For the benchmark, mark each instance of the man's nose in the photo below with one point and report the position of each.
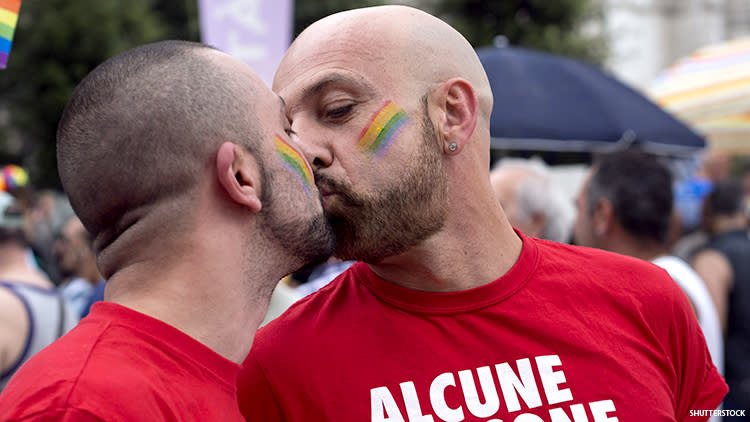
(316, 148)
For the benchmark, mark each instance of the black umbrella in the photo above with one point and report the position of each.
(548, 102)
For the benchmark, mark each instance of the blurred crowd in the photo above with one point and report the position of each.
(694, 226)
(48, 273)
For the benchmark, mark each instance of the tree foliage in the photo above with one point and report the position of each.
(542, 24)
(57, 42)
(553, 26)
(179, 18)
(307, 12)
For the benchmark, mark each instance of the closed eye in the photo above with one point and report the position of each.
(340, 112)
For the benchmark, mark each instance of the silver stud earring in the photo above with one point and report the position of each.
(453, 146)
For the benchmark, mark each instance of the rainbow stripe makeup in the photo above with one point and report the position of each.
(295, 163)
(383, 129)
(8, 18)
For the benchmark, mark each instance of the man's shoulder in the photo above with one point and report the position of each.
(604, 271)
(57, 374)
(87, 344)
(596, 260)
(310, 317)
(13, 316)
(81, 372)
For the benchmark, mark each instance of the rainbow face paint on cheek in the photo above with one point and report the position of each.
(383, 129)
(295, 163)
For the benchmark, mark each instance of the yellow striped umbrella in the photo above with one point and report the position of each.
(710, 91)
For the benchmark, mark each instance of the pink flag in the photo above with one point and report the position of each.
(257, 32)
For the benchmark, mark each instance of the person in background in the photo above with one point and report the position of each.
(450, 314)
(690, 193)
(181, 164)
(530, 199)
(39, 209)
(15, 181)
(76, 259)
(626, 206)
(32, 313)
(717, 166)
(724, 263)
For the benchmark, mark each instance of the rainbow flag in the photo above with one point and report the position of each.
(8, 18)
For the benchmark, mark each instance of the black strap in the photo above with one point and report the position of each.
(61, 323)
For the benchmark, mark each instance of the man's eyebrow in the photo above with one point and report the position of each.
(331, 79)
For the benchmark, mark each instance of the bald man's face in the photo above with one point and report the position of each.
(372, 147)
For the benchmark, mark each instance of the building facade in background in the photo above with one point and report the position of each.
(646, 36)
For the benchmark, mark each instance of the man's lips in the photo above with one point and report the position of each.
(325, 191)
(327, 195)
(329, 189)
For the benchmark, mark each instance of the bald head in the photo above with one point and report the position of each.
(141, 129)
(413, 49)
(532, 202)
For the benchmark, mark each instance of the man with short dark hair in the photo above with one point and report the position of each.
(636, 190)
(724, 262)
(181, 164)
(626, 206)
(451, 315)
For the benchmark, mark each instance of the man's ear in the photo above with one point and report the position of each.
(459, 107)
(234, 169)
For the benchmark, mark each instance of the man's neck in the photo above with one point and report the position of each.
(647, 250)
(200, 298)
(461, 257)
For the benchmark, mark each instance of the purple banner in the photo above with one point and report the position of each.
(257, 32)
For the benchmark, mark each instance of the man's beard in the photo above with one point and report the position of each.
(371, 226)
(309, 239)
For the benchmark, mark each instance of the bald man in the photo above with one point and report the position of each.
(530, 199)
(451, 315)
(180, 163)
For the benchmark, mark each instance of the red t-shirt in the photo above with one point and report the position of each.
(568, 334)
(121, 365)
